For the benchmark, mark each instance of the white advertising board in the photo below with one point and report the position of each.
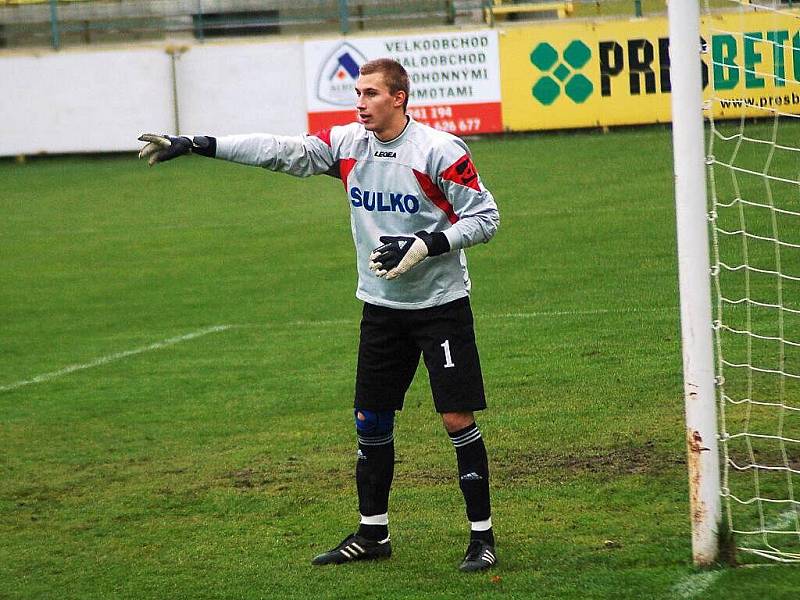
(454, 76)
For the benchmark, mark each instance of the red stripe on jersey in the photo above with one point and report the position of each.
(435, 194)
(324, 135)
(463, 173)
(345, 166)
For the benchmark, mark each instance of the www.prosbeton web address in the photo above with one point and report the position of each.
(761, 101)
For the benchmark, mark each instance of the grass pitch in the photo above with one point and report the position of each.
(170, 466)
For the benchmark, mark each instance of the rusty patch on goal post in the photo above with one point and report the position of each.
(694, 445)
(726, 547)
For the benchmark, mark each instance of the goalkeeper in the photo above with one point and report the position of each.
(416, 202)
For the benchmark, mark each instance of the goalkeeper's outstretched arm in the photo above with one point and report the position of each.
(297, 155)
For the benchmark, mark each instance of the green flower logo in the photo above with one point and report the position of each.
(561, 72)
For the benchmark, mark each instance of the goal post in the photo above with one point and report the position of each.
(694, 279)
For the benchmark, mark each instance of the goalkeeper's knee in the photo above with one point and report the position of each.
(374, 427)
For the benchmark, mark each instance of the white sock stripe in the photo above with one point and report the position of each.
(476, 436)
(385, 436)
(481, 525)
(386, 443)
(375, 519)
(466, 434)
(376, 441)
(466, 443)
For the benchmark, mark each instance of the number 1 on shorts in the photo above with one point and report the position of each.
(448, 359)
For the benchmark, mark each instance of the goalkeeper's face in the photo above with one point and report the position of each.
(378, 109)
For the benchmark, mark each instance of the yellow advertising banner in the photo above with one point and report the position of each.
(604, 73)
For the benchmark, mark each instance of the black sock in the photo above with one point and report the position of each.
(373, 532)
(473, 472)
(486, 535)
(374, 472)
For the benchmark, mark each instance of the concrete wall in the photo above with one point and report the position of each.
(101, 100)
(229, 89)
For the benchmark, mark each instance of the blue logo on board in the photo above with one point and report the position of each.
(337, 75)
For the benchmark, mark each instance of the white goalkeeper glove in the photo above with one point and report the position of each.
(399, 254)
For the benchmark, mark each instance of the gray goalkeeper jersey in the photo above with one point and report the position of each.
(424, 179)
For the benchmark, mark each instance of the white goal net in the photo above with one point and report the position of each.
(752, 109)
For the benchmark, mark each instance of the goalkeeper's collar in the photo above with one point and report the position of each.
(398, 137)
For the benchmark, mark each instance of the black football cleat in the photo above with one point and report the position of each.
(480, 556)
(354, 547)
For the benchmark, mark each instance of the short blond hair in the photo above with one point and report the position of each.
(394, 74)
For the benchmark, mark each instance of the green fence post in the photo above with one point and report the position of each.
(637, 7)
(344, 17)
(200, 30)
(55, 36)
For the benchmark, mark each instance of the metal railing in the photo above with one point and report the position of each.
(60, 23)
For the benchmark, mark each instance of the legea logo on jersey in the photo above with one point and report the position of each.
(576, 86)
(383, 201)
(337, 75)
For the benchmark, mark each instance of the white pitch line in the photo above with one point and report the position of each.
(781, 522)
(112, 357)
(308, 323)
(563, 212)
(576, 313)
(693, 585)
(518, 315)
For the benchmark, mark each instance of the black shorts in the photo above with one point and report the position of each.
(388, 354)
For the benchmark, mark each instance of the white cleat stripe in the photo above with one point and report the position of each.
(346, 552)
(359, 548)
